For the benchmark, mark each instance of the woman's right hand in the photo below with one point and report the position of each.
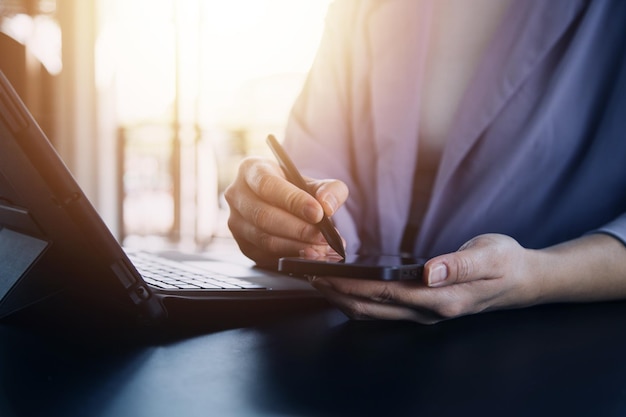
(270, 217)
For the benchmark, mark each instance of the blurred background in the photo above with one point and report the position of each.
(153, 103)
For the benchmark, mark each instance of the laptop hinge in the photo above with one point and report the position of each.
(123, 274)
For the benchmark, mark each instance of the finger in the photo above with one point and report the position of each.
(267, 181)
(314, 252)
(269, 257)
(429, 304)
(366, 309)
(475, 260)
(385, 292)
(263, 218)
(331, 194)
(259, 244)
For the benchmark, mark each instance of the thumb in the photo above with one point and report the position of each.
(331, 194)
(470, 263)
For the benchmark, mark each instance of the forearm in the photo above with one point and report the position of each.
(591, 268)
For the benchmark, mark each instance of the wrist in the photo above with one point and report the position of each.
(589, 268)
(535, 268)
(542, 275)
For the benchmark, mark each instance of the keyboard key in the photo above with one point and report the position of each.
(166, 274)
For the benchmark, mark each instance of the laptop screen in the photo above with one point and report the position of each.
(51, 237)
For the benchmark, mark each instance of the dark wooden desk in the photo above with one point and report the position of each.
(547, 361)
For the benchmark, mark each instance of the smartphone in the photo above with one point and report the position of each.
(375, 267)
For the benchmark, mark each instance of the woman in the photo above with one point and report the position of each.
(485, 135)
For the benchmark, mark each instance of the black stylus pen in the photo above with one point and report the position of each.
(293, 176)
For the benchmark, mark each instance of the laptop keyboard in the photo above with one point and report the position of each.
(171, 275)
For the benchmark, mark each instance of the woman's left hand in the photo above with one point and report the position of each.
(489, 272)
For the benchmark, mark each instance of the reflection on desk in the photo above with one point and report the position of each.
(544, 361)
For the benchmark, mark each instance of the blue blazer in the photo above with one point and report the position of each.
(538, 146)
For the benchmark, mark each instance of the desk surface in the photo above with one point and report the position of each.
(546, 361)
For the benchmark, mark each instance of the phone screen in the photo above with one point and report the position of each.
(377, 267)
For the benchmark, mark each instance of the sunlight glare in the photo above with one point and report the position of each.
(223, 47)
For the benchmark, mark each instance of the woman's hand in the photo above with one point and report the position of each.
(489, 272)
(270, 217)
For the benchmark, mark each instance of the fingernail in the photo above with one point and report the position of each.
(438, 275)
(331, 204)
(318, 282)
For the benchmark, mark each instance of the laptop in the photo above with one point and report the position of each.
(58, 257)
